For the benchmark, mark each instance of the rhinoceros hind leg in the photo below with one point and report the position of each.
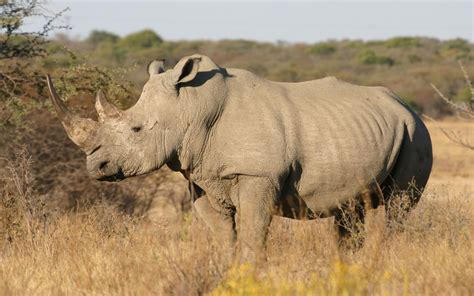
(349, 224)
(404, 186)
(398, 205)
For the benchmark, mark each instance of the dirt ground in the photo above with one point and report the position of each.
(453, 164)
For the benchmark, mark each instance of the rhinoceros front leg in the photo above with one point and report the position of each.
(254, 198)
(221, 225)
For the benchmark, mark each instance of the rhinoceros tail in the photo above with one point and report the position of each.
(407, 180)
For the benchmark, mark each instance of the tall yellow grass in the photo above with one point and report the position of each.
(99, 251)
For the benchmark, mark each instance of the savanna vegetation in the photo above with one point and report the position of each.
(385, 62)
(62, 233)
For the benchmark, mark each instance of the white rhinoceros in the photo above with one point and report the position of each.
(254, 148)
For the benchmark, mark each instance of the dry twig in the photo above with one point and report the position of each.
(463, 110)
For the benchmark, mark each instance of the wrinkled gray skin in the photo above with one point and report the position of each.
(254, 148)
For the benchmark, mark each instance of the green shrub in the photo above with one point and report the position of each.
(54, 47)
(323, 49)
(409, 102)
(285, 73)
(97, 36)
(374, 42)
(21, 78)
(404, 42)
(369, 57)
(457, 44)
(413, 58)
(355, 44)
(140, 40)
(464, 95)
(111, 52)
(457, 48)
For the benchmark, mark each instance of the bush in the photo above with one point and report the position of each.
(323, 49)
(355, 44)
(141, 39)
(464, 95)
(96, 37)
(458, 48)
(369, 57)
(22, 211)
(111, 52)
(413, 58)
(404, 42)
(457, 44)
(22, 82)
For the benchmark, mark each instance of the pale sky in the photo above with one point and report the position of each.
(296, 21)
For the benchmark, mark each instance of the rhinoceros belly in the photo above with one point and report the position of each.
(347, 141)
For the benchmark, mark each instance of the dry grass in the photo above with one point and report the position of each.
(451, 159)
(98, 250)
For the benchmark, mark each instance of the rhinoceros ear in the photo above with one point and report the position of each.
(186, 69)
(156, 67)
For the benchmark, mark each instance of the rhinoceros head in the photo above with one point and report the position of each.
(143, 138)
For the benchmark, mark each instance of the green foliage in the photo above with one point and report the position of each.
(355, 44)
(285, 73)
(323, 49)
(424, 60)
(15, 42)
(54, 47)
(85, 79)
(403, 42)
(409, 102)
(140, 40)
(464, 95)
(237, 46)
(375, 43)
(413, 58)
(355, 61)
(459, 48)
(98, 36)
(14, 110)
(369, 57)
(111, 52)
(21, 80)
(27, 56)
(457, 44)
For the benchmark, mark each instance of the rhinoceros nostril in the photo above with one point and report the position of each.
(103, 165)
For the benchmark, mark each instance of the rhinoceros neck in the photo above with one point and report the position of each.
(204, 113)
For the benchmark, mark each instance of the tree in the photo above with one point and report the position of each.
(98, 36)
(369, 57)
(16, 43)
(142, 39)
(18, 49)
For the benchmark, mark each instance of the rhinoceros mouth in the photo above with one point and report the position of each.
(119, 176)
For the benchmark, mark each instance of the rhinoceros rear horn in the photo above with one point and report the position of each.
(80, 130)
(104, 108)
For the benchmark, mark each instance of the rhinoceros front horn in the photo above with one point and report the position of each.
(105, 108)
(80, 130)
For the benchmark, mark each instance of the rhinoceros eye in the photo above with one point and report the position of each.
(136, 129)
